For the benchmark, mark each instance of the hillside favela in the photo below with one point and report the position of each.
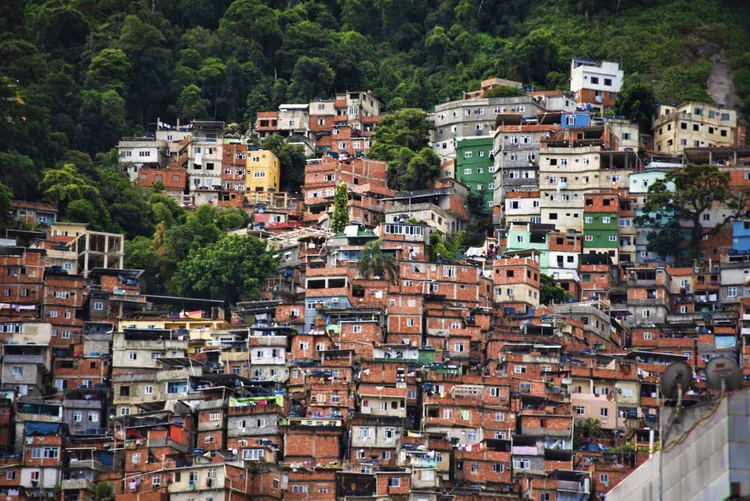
(351, 250)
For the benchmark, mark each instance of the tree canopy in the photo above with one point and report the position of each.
(231, 269)
(685, 195)
(340, 215)
(374, 262)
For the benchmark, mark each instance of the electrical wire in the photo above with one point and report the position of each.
(684, 435)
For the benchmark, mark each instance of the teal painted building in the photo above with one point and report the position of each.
(522, 237)
(474, 166)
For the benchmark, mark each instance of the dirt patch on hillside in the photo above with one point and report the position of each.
(720, 85)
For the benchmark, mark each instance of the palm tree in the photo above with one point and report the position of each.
(374, 262)
(589, 428)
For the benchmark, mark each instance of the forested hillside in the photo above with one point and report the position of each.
(79, 74)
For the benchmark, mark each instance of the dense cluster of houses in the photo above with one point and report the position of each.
(445, 380)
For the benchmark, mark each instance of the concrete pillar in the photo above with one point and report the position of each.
(86, 257)
(106, 250)
(122, 252)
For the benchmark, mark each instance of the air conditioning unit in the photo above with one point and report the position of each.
(335, 300)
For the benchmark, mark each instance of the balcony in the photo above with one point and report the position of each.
(77, 484)
(567, 485)
(87, 464)
(23, 359)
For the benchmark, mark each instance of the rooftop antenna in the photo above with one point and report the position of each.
(723, 374)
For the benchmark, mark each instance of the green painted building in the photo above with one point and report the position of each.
(601, 233)
(474, 166)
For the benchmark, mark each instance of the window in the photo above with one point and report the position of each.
(447, 413)
(209, 439)
(521, 464)
(494, 391)
(132, 355)
(394, 482)
(125, 411)
(588, 238)
(299, 488)
(468, 154)
(136, 458)
(458, 347)
(613, 238)
(544, 496)
(93, 417)
(36, 453)
(474, 468)
(647, 336)
(35, 476)
(588, 219)
(731, 291)
(500, 417)
(98, 305)
(595, 80)
(410, 322)
(11, 475)
(77, 417)
(449, 271)
(498, 467)
(467, 172)
(646, 313)
(149, 390)
(519, 369)
(603, 412)
(604, 478)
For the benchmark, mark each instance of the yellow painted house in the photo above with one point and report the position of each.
(263, 171)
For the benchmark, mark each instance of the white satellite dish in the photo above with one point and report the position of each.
(723, 374)
(676, 380)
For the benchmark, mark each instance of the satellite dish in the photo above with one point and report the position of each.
(723, 374)
(677, 376)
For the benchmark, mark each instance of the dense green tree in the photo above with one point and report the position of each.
(77, 200)
(374, 262)
(697, 190)
(311, 77)
(102, 121)
(502, 91)
(292, 161)
(6, 196)
(407, 128)
(104, 491)
(109, 70)
(231, 270)
(190, 104)
(148, 51)
(19, 173)
(447, 249)
(667, 240)
(586, 431)
(550, 292)
(340, 215)
(637, 102)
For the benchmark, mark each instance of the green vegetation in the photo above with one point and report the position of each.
(373, 262)
(401, 139)
(585, 431)
(231, 269)
(76, 75)
(550, 291)
(698, 188)
(447, 249)
(340, 216)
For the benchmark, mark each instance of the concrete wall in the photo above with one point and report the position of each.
(714, 454)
